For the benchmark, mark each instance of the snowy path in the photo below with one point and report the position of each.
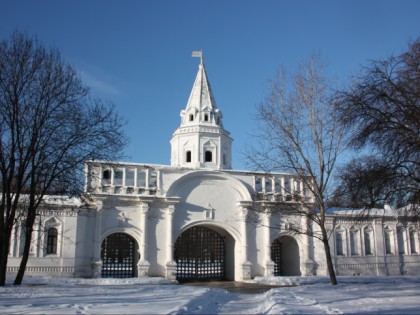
(153, 296)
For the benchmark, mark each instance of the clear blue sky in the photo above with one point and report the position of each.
(138, 53)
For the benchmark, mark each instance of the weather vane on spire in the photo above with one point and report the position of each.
(198, 53)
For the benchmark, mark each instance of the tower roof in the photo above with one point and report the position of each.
(201, 94)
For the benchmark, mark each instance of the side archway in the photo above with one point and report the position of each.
(286, 257)
(118, 256)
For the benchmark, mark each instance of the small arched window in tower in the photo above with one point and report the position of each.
(206, 117)
(191, 117)
(208, 156)
(188, 157)
(217, 120)
(52, 241)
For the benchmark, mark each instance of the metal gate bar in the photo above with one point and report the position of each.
(200, 255)
(118, 256)
(276, 257)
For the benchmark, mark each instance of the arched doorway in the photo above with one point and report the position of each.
(118, 255)
(285, 255)
(200, 255)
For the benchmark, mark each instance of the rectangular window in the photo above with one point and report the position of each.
(277, 185)
(52, 241)
(118, 178)
(106, 177)
(368, 245)
(413, 242)
(141, 179)
(208, 156)
(258, 185)
(388, 245)
(354, 244)
(268, 185)
(287, 186)
(129, 178)
(339, 243)
(153, 180)
(401, 243)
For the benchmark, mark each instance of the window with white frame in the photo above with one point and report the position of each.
(52, 240)
(153, 180)
(208, 156)
(268, 185)
(287, 186)
(339, 242)
(368, 238)
(354, 241)
(118, 177)
(141, 179)
(277, 184)
(400, 239)
(413, 242)
(106, 177)
(52, 236)
(388, 234)
(258, 184)
(129, 178)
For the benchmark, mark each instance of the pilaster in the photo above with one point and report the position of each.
(96, 261)
(143, 265)
(170, 264)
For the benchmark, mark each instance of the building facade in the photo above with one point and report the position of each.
(198, 219)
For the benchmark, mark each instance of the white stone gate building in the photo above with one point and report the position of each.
(188, 221)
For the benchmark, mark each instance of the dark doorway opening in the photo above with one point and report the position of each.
(285, 255)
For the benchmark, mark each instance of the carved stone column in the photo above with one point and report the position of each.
(171, 264)
(96, 261)
(143, 265)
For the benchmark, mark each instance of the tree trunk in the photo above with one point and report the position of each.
(4, 245)
(330, 266)
(26, 250)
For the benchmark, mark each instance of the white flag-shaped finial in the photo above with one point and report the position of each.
(198, 53)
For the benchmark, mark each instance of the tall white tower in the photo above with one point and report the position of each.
(201, 141)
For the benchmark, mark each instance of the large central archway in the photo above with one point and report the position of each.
(118, 255)
(200, 255)
(285, 255)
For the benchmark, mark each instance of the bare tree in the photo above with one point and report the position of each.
(48, 127)
(364, 182)
(299, 134)
(381, 109)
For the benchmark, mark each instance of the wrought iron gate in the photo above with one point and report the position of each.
(118, 256)
(276, 257)
(200, 255)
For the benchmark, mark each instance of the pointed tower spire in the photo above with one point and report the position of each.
(201, 141)
(201, 97)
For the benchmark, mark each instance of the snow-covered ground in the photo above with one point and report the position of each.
(307, 295)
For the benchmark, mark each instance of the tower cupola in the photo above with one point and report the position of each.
(201, 141)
